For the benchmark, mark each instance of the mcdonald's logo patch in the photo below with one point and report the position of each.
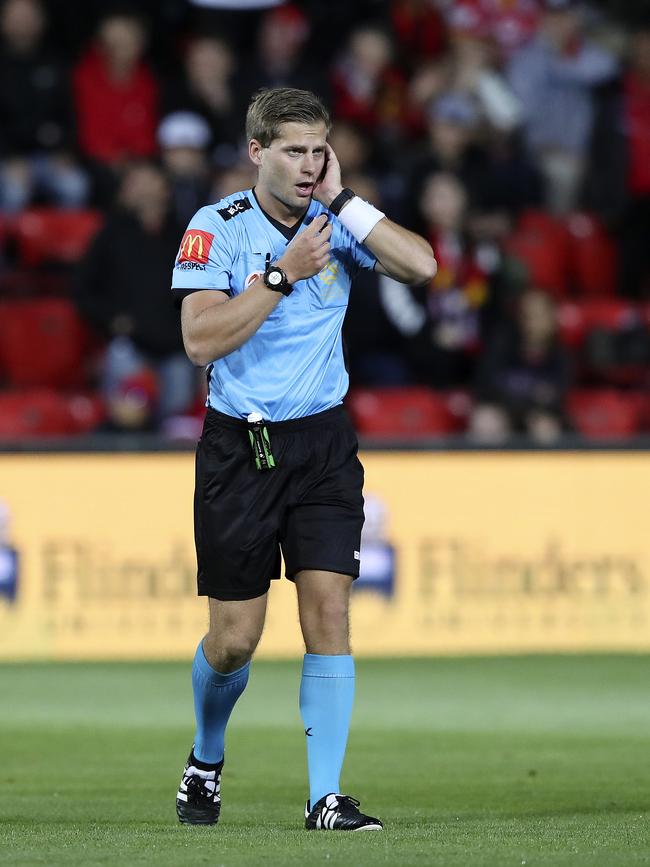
(195, 246)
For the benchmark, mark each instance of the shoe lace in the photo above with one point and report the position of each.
(197, 789)
(348, 801)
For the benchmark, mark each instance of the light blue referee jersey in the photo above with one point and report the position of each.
(293, 365)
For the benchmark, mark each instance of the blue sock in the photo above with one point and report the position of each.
(326, 697)
(215, 695)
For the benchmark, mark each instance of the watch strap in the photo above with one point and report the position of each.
(337, 203)
(284, 287)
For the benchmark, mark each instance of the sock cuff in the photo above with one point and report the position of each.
(323, 665)
(201, 765)
(204, 668)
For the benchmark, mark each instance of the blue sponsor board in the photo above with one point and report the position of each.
(377, 571)
(8, 573)
(378, 557)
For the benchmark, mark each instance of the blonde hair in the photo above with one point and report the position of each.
(269, 109)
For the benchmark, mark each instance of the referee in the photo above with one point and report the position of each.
(264, 276)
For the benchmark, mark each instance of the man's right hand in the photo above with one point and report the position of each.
(309, 251)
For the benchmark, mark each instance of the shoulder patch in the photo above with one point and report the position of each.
(195, 246)
(234, 208)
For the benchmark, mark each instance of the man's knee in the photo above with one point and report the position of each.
(229, 652)
(330, 613)
(235, 630)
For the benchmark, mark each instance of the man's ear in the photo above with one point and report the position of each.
(255, 150)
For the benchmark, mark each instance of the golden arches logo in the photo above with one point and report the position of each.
(190, 242)
(195, 246)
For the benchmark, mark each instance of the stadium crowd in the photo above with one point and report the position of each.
(513, 134)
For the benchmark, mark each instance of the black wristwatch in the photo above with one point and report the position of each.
(276, 279)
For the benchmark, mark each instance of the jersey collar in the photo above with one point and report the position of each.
(307, 217)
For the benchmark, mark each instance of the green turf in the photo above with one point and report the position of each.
(536, 761)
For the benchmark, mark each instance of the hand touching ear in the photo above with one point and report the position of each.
(328, 185)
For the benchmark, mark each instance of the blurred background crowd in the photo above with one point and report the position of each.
(513, 134)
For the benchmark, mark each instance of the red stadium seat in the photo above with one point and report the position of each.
(643, 402)
(54, 235)
(612, 338)
(577, 318)
(42, 342)
(605, 413)
(34, 413)
(406, 412)
(592, 255)
(612, 314)
(541, 243)
(43, 412)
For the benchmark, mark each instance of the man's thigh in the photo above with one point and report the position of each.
(323, 538)
(235, 526)
(312, 504)
(322, 530)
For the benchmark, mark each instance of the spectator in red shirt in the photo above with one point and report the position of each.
(116, 94)
(370, 90)
(420, 30)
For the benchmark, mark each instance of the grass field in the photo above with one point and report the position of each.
(503, 761)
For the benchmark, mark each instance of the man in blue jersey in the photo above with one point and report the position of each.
(264, 276)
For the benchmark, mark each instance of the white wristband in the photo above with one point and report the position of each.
(360, 218)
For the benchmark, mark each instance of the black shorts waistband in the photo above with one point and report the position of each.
(219, 419)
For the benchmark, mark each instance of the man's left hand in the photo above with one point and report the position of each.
(329, 185)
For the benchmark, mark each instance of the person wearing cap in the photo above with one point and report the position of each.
(263, 278)
(452, 121)
(184, 139)
(554, 77)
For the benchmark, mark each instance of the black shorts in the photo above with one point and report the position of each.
(310, 506)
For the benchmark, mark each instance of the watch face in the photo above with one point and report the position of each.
(274, 278)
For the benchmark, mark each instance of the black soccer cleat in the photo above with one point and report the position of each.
(198, 800)
(339, 813)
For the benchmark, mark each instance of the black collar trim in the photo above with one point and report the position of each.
(289, 232)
